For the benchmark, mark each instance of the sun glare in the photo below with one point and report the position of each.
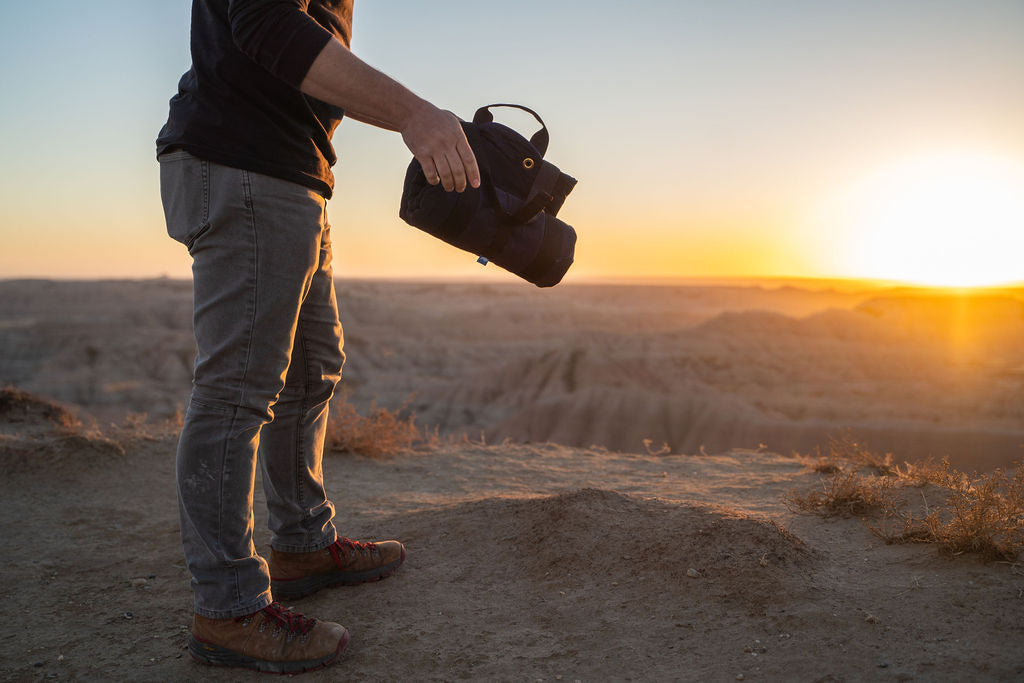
(953, 220)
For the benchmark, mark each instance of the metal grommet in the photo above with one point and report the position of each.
(528, 163)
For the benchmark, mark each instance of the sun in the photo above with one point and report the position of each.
(953, 220)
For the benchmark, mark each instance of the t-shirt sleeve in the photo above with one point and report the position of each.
(278, 35)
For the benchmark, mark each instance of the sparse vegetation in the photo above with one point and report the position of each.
(957, 512)
(844, 450)
(845, 493)
(381, 433)
(665, 449)
(975, 514)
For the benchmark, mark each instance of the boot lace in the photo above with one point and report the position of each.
(358, 547)
(286, 620)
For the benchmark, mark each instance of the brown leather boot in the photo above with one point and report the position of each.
(343, 563)
(273, 639)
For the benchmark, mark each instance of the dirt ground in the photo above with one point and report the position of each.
(525, 562)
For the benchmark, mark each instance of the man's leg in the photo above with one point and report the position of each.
(305, 555)
(292, 446)
(255, 250)
(255, 243)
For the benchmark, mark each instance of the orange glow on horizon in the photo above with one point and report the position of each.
(947, 220)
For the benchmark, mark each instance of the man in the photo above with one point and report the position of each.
(245, 161)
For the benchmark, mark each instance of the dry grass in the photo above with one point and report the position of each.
(651, 450)
(381, 433)
(957, 512)
(136, 427)
(981, 514)
(844, 493)
(843, 451)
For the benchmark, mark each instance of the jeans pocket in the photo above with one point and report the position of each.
(185, 194)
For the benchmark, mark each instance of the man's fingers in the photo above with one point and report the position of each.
(458, 172)
(445, 155)
(429, 170)
(469, 163)
(445, 171)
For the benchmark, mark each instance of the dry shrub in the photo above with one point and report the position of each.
(136, 427)
(975, 513)
(845, 493)
(665, 449)
(383, 432)
(843, 451)
(981, 514)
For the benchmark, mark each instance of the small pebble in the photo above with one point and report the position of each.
(137, 583)
(693, 573)
(37, 664)
(883, 665)
(151, 576)
(60, 658)
(739, 677)
(128, 615)
(871, 619)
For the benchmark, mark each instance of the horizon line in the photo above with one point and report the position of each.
(615, 280)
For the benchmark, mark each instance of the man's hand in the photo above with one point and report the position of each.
(436, 139)
(434, 136)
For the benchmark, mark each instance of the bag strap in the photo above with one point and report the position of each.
(539, 140)
(541, 194)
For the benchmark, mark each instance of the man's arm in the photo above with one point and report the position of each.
(363, 118)
(434, 136)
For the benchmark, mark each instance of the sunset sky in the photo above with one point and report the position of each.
(853, 139)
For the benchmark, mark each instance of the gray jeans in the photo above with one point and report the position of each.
(269, 357)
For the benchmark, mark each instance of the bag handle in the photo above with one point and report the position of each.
(539, 140)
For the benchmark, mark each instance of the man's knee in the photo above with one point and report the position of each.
(248, 404)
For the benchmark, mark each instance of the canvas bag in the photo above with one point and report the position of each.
(511, 219)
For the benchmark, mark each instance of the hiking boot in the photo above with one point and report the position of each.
(273, 639)
(345, 562)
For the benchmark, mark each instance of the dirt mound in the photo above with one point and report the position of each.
(40, 435)
(21, 408)
(592, 541)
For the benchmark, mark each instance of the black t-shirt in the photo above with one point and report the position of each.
(239, 105)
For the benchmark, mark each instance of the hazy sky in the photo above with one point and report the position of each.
(707, 136)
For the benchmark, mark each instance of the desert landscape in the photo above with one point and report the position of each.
(613, 482)
(919, 373)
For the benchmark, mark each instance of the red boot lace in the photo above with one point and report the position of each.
(287, 620)
(354, 546)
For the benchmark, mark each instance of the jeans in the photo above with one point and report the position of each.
(269, 357)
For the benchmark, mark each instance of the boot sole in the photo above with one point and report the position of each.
(214, 655)
(291, 589)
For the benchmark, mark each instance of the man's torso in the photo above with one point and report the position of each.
(239, 104)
